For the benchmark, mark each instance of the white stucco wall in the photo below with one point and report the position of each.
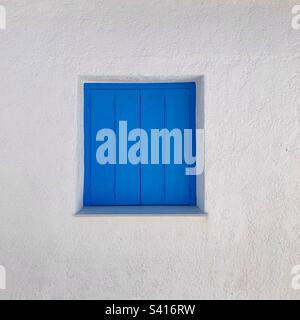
(247, 53)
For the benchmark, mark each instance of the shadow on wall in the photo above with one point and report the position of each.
(200, 116)
(200, 123)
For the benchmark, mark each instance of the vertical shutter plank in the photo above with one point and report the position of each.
(102, 176)
(177, 184)
(152, 175)
(127, 188)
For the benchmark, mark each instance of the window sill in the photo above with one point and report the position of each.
(141, 210)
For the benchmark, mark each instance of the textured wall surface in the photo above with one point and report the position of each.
(247, 53)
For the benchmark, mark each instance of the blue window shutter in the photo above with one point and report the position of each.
(146, 106)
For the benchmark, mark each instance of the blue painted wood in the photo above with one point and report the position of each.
(139, 86)
(152, 175)
(192, 125)
(102, 176)
(145, 105)
(127, 183)
(87, 147)
(177, 116)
